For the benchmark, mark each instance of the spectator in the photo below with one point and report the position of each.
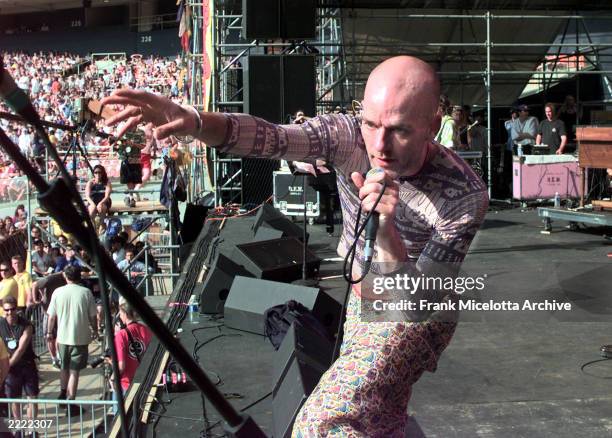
(131, 341)
(16, 333)
(68, 258)
(117, 249)
(97, 192)
(23, 279)
(42, 291)
(73, 308)
(17, 187)
(134, 269)
(41, 260)
(20, 220)
(8, 285)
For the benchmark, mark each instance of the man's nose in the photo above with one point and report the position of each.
(381, 139)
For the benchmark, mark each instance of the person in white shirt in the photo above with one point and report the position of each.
(525, 127)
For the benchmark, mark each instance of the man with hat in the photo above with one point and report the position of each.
(524, 128)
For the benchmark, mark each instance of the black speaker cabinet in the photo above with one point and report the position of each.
(277, 86)
(276, 259)
(272, 224)
(249, 298)
(299, 363)
(273, 19)
(215, 289)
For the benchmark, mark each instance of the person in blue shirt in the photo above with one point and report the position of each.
(134, 269)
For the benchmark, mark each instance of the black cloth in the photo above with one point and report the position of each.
(551, 133)
(11, 334)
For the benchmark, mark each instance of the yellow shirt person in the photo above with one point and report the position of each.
(23, 279)
(8, 285)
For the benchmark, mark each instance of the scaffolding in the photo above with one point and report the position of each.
(343, 66)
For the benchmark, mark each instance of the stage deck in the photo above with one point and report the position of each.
(119, 208)
(503, 375)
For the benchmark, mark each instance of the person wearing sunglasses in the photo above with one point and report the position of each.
(8, 285)
(16, 333)
(98, 193)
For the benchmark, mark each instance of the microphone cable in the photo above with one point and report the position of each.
(349, 259)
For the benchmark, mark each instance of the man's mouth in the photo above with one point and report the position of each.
(383, 161)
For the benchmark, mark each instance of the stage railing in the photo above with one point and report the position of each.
(54, 417)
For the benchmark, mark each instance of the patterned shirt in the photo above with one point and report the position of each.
(440, 208)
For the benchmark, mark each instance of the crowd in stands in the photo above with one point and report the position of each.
(56, 83)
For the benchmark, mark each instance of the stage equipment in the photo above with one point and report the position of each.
(541, 176)
(299, 363)
(215, 289)
(249, 298)
(289, 195)
(276, 259)
(594, 151)
(279, 19)
(272, 224)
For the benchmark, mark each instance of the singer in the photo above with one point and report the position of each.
(430, 211)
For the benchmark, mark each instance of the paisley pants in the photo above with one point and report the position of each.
(365, 392)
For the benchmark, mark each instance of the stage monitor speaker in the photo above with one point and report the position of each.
(249, 298)
(299, 363)
(216, 287)
(272, 224)
(261, 19)
(276, 259)
(193, 222)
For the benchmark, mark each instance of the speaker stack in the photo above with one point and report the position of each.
(257, 269)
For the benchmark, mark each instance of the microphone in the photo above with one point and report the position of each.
(16, 98)
(467, 128)
(371, 227)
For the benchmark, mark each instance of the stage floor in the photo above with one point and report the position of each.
(505, 374)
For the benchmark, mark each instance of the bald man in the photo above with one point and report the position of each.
(431, 207)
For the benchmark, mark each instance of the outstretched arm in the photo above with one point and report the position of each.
(332, 139)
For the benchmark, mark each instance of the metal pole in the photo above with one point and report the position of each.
(29, 225)
(488, 85)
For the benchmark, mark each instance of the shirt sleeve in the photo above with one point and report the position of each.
(332, 137)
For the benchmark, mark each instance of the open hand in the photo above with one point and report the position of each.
(166, 117)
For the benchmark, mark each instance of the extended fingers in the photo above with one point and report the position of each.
(130, 111)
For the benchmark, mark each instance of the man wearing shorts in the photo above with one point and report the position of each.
(42, 290)
(16, 332)
(73, 308)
